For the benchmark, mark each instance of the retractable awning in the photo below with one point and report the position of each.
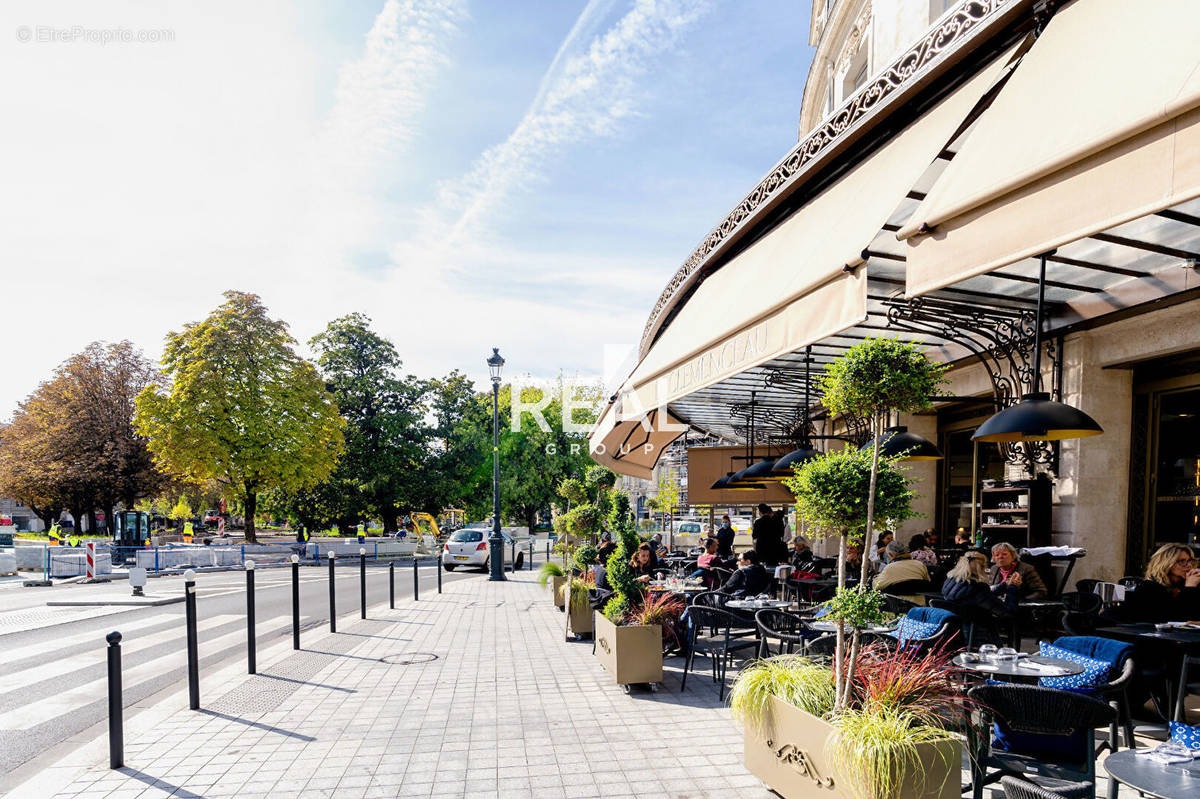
(796, 285)
(1099, 126)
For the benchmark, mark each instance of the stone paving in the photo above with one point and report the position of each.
(471, 693)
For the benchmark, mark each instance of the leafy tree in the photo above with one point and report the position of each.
(459, 466)
(628, 592)
(242, 407)
(382, 472)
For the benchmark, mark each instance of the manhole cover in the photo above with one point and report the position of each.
(409, 658)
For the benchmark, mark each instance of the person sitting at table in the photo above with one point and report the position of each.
(600, 570)
(706, 562)
(962, 539)
(642, 564)
(881, 543)
(725, 536)
(1009, 570)
(931, 538)
(908, 576)
(1171, 591)
(920, 550)
(967, 584)
(802, 555)
(656, 545)
(854, 562)
(751, 579)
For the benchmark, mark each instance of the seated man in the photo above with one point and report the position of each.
(707, 561)
(751, 579)
(908, 575)
(1010, 571)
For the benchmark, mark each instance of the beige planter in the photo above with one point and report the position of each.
(556, 584)
(581, 618)
(791, 759)
(631, 654)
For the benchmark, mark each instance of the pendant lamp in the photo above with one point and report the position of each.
(750, 478)
(897, 441)
(1037, 417)
(782, 468)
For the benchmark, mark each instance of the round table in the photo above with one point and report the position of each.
(757, 604)
(831, 627)
(1177, 781)
(1013, 669)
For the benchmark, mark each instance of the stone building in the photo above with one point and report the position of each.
(971, 179)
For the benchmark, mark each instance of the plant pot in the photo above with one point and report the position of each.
(789, 755)
(581, 618)
(556, 584)
(631, 654)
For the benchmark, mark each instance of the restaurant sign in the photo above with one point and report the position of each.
(734, 353)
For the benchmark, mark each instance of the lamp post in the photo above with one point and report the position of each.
(496, 543)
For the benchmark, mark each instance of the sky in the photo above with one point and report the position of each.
(524, 174)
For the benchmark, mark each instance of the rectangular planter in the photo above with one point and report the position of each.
(789, 756)
(556, 584)
(581, 619)
(631, 654)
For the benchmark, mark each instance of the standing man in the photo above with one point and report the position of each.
(725, 537)
(768, 536)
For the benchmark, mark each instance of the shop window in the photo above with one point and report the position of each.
(1175, 477)
(956, 477)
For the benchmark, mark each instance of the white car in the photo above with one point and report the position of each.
(469, 547)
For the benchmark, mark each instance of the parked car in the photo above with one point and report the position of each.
(469, 547)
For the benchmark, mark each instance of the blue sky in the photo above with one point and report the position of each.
(526, 174)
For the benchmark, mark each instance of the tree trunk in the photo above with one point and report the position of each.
(876, 433)
(391, 517)
(840, 651)
(251, 504)
(530, 519)
(93, 524)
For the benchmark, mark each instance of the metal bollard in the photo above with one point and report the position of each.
(251, 664)
(193, 644)
(362, 580)
(392, 585)
(514, 555)
(416, 594)
(116, 728)
(439, 572)
(547, 550)
(529, 566)
(332, 601)
(295, 601)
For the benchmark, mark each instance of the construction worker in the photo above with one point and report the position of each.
(54, 534)
(187, 532)
(362, 532)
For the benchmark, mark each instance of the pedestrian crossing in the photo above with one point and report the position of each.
(16, 654)
(49, 708)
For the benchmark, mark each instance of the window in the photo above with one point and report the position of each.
(467, 536)
(860, 78)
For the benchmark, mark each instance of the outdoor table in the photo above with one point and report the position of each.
(1140, 772)
(812, 583)
(757, 604)
(1015, 670)
(1029, 607)
(1180, 643)
(831, 627)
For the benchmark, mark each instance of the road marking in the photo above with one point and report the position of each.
(51, 707)
(98, 657)
(20, 653)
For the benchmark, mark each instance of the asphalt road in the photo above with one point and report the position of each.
(53, 679)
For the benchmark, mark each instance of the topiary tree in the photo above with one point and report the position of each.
(628, 592)
(873, 379)
(836, 494)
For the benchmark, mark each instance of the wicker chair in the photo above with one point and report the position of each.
(1017, 788)
(1079, 623)
(977, 624)
(712, 635)
(1082, 602)
(897, 605)
(824, 646)
(788, 628)
(1062, 719)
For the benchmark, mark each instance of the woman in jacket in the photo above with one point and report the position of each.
(967, 584)
(1011, 571)
(1171, 591)
(751, 579)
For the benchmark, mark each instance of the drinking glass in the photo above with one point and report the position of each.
(988, 653)
(1006, 654)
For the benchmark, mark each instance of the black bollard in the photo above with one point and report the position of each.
(416, 595)
(295, 601)
(392, 585)
(439, 572)
(547, 550)
(362, 581)
(529, 566)
(332, 600)
(193, 645)
(116, 729)
(251, 659)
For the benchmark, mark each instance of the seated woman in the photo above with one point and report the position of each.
(802, 555)
(921, 551)
(751, 579)
(902, 576)
(1171, 591)
(642, 564)
(706, 562)
(1009, 570)
(967, 584)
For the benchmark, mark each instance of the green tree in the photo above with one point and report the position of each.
(383, 470)
(459, 466)
(242, 408)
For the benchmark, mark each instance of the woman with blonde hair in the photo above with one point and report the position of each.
(967, 584)
(1171, 591)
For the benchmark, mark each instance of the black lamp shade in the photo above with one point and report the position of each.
(1037, 418)
(495, 364)
(721, 483)
(897, 441)
(783, 467)
(727, 483)
(758, 471)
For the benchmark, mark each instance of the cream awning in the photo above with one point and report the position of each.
(791, 287)
(1098, 125)
(631, 447)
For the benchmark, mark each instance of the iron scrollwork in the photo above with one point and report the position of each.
(801, 761)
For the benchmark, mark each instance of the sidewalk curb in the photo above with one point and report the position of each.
(151, 603)
(91, 745)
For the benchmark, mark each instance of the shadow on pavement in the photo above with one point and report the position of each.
(153, 782)
(248, 723)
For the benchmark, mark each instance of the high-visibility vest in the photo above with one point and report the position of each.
(187, 532)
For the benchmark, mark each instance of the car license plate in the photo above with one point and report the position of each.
(460, 557)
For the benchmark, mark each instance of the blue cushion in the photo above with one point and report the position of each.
(1185, 734)
(1095, 672)
(909, 628)
(1097, 648)
(937, 616)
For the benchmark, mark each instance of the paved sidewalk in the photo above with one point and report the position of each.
(473, 693)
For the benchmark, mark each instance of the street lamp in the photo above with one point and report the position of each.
(496, 543)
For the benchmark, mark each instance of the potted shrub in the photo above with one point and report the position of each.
(629, 632)
(573, 593)
(553, 575)
(892, 740)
